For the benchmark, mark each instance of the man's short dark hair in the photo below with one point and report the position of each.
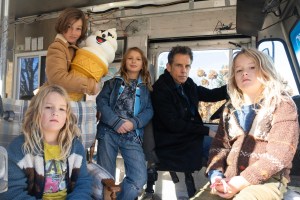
(179, 50)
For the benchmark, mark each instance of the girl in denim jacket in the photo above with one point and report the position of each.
(125, 107)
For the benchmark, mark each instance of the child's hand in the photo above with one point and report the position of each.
(128, 125)
(218, 185)
(125, 127)
(235, 185)
(121, 129)
(96, 89)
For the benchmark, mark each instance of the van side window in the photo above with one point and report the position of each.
(295, 40)
(30, 74)
(275, 49)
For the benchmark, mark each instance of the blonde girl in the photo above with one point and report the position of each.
(251, 155)
(273, 89)
(48, 160)
(125, 107)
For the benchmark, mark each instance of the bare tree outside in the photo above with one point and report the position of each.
(28, 76)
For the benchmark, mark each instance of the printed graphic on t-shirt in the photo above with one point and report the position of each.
(55, 176)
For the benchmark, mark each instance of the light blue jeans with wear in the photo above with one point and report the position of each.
(130, 146)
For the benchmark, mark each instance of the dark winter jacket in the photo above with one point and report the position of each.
(178, 134)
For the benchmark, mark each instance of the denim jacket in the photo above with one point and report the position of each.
(107, 99)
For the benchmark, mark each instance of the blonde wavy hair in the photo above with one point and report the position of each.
(145, 74)
(32, 124)
(273, 86)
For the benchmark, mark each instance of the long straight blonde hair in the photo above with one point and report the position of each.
(273, 86)
(32, 124)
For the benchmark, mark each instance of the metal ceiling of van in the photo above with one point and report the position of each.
(250, 13)
(21, 8)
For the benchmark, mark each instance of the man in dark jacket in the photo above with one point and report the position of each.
(178, 127)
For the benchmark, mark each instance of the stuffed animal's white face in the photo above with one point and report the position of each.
(103, 43)
(109, 35)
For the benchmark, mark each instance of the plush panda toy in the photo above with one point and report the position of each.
(92, 60)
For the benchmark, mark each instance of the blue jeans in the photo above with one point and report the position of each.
(131, 150)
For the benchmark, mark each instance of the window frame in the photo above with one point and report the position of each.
(288, 57)
(17, 69)
(297, 62)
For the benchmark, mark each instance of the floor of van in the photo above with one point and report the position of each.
(165, 189)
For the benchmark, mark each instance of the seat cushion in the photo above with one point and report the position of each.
(87, 121)
(98, 173)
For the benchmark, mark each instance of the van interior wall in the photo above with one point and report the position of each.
(170, 25)
(276, 26)
(137, 28)
(279, 27)
(16, 44)
(194, 22)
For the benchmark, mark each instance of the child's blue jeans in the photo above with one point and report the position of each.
(131, 150)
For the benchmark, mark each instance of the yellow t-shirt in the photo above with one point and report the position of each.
(55, 171)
